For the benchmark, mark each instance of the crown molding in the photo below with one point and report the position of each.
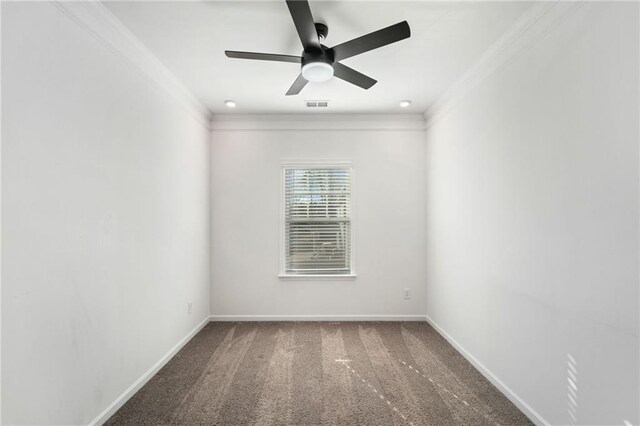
(317, 122)
(97, 20)
(535, 23)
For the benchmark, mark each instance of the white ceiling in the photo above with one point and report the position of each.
(190, 39)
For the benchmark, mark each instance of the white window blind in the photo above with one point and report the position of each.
(317, 238)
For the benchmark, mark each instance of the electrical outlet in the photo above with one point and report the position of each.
(189, 307)
(407, 293)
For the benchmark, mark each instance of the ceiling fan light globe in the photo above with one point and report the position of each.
(317, 72)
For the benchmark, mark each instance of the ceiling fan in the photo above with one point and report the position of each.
(319, 62)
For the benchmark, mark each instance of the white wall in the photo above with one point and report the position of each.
(388, 216)
(105, 220)
(532, 218)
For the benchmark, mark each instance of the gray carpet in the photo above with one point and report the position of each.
(318, 373)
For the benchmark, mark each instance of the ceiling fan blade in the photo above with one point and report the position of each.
(303, 20)
(263, 56)
(352, 76)
(371, 41)
(297, 85)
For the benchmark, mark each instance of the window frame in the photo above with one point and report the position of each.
(315, 164)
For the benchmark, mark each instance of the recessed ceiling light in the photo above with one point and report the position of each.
(405, 104)
(230, 104)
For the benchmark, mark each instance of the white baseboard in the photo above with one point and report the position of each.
(135, 387)
(511, 395)
(317, 318)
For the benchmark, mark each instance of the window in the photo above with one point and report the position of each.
(317, 220)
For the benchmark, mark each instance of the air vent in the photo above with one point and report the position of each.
(317, 104)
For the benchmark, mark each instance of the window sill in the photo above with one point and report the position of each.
(340, 277)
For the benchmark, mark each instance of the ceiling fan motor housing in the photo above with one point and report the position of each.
(325, 55)
(317, 66)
